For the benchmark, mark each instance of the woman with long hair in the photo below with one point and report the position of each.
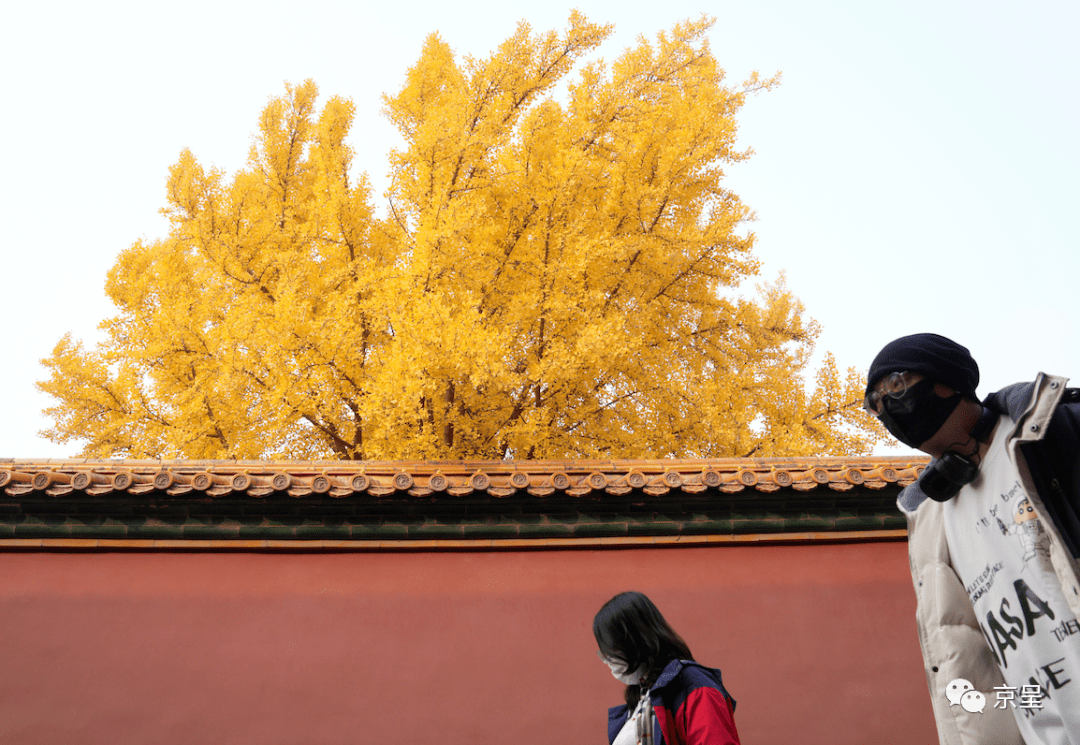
(670, 698)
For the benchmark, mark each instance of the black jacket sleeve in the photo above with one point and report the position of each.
(1054, 462)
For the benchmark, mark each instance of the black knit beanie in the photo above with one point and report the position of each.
(939, 359)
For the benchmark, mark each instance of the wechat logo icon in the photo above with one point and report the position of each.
(962, 693)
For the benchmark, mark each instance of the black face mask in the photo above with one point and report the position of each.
(916, 416)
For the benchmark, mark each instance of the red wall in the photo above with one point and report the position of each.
(816, 642)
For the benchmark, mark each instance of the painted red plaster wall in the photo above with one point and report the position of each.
(817, 643)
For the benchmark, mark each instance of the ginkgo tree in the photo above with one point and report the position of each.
(556, 272)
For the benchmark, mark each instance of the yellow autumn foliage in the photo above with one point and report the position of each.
(557, 275)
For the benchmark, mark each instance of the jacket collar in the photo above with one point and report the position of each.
(670, 671)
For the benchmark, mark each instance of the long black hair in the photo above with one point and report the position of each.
(630, 629)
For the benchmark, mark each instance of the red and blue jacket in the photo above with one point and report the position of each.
(691, 706)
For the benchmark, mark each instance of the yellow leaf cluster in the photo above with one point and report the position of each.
(555, 277)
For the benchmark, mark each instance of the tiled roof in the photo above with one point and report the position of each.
(394, 503)
(501, 478)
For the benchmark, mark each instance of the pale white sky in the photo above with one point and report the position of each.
(916, 171)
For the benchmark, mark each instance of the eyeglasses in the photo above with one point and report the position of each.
(894, 386)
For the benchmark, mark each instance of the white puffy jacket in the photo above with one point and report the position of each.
(952, 643)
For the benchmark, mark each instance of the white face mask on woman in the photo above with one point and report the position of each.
(618, 670)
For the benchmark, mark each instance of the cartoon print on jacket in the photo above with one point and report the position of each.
(1034, 541)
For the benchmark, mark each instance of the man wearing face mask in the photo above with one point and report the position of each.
(993, 539)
